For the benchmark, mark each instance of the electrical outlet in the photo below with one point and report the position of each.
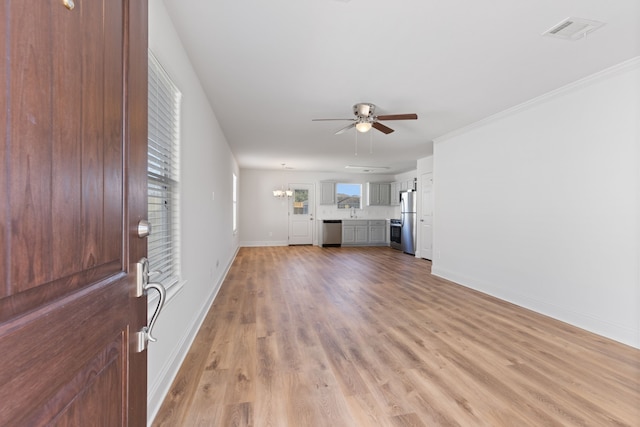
(271, 234)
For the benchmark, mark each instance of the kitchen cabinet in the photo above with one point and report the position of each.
(379, 194)
(385, 194)
(348, 235)
(355, 232)
(377, 232)
(395, 194)
(364, 232)
(407, 184)
(327, 193)
(397, 187)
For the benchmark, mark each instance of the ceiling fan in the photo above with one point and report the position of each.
(366, 119)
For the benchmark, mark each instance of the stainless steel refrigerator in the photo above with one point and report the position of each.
(408, 218)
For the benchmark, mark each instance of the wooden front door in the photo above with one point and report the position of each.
(72, 189)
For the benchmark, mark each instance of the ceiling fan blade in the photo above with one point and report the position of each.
(326, 120)
(346, 128)
(398, 117)
(382, 128)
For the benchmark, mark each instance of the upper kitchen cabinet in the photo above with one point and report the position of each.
(408, 184)
(327, 193)
(379, 194)
(395, 194)
(398, 186)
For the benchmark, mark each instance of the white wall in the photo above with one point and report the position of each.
(208, 244)
(425, 165)
(262, 214)
(540, 205)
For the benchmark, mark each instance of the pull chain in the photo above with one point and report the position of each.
(370, 142)
(356, 146)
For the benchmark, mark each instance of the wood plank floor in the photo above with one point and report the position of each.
(306, 336)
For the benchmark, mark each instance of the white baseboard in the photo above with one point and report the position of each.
(257, 243)
(160, 388)
(585, 321)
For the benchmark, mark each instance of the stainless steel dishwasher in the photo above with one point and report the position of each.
(331, 232)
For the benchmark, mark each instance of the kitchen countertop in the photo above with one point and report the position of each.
(354, 219)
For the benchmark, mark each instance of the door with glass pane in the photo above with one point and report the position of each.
(301, 220)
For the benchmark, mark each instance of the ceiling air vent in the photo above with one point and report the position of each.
(367, 168)
(573, 28)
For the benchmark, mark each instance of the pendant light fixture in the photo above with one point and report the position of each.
(281, 192)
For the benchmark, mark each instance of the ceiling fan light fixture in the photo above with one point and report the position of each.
(366, 118)
(363, 127)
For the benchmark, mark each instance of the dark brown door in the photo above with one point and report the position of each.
(72, 188)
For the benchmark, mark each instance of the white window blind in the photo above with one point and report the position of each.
(163, 174)
(235, 203)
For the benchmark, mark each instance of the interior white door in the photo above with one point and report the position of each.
(301, 218)
(426, 216)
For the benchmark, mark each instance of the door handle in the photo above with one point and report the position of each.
(142, 288)
(163, 295)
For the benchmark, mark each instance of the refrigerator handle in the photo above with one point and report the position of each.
(402, 211)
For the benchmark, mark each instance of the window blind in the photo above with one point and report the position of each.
(163, 244)
(235, 202)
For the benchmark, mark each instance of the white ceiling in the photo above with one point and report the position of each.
(269, 67)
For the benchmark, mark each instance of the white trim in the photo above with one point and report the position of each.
(165, 377)
(593, 324)
(257, 243)
(578, 84)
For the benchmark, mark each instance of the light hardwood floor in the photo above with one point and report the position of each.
(306, 336)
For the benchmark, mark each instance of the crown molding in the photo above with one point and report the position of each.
(623, 67)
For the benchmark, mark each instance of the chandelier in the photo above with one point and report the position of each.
(281, 192)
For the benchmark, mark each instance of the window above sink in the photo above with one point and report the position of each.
(349, 196)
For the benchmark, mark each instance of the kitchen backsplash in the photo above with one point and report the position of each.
(373, 212)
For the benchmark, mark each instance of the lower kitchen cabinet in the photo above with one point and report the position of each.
(355, 232)
(348, 235)
(364, 232)
(377, 232)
